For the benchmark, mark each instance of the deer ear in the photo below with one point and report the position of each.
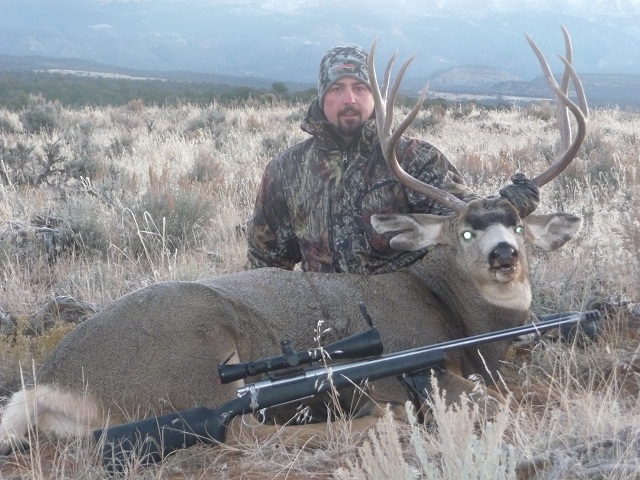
(552, 231)
(411, 231)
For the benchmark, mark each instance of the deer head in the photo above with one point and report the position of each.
(487, 234)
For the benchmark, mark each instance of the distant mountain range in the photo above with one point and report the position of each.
(487, 85)
(24, 63)
(285, 39)
(478, 83)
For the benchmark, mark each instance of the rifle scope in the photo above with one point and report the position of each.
(363, 344)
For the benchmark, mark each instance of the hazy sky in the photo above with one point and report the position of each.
(572, 7)
(284, 38)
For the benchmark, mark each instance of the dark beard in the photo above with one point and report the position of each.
(350, 129)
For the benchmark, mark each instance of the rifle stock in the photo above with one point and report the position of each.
(151, 439)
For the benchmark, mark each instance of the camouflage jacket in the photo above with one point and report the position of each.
(316, 199)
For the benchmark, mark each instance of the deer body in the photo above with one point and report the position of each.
(160, 346)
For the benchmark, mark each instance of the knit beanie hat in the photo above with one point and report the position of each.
(339, 62)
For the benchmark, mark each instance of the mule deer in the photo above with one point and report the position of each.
(157, 349)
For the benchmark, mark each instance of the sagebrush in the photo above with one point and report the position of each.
(97, 202)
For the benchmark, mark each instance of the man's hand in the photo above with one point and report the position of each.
(523, 194)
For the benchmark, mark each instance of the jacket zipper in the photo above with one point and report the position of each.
(336, 263)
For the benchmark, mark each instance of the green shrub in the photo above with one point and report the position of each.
(206, 168)
(16, 163)
(86, 165)
(26, 165)
(207, 120)
(168, 218)
(272, 144)
(9, 122)
(434, 118)
(41, 115)
(86, 229)
(545, 111)
(121, 144)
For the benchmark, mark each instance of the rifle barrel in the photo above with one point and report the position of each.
(566, 318)
(402, 362)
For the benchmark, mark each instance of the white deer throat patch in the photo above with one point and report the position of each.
(515, 295)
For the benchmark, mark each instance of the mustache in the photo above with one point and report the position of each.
(349, 109)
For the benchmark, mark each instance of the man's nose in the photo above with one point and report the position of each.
(349, 96)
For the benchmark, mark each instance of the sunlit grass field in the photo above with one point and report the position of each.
(95, 203)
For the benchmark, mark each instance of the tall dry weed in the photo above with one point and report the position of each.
(458, 444)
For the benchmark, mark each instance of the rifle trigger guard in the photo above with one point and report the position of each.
(418, 387)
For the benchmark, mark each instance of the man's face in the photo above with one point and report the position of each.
(347, 105)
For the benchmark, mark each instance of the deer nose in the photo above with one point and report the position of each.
(504, 255)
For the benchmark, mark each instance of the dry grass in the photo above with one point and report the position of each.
(137, 195)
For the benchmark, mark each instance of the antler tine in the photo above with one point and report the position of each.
(568, 48)
(561, 109)
(388, 141)
(411, 116)
(577, 84)
(387, 80)
(580, 113)
(383, 116)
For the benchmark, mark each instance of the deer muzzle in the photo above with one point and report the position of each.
(503, 257)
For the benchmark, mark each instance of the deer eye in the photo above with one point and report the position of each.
(468, 235)
(519, 229)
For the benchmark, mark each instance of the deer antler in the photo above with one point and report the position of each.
(384, 118)
(389, 140)
(580, 113)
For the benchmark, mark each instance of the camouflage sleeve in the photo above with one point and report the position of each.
(428, 164)
(271, 239)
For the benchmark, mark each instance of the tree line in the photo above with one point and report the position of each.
(78, 91)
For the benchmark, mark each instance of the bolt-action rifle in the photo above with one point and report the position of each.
(151, 439)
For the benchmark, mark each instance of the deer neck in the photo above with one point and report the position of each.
(514, 295)
(467, 299)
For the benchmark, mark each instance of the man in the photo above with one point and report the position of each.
(316, 199)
